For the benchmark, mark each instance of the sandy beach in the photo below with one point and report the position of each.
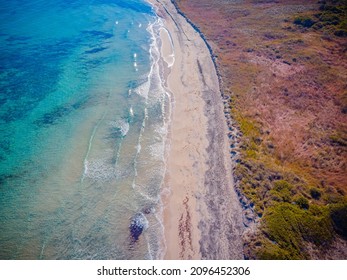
(202, 216)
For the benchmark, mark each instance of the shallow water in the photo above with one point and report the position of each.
(83, 122)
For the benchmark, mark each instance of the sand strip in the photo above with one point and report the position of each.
(202, 216)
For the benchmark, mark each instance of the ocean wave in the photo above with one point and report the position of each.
(152, 89)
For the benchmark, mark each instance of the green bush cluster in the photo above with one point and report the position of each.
(293, 212)
(332, 17)
(282, 189)
(288, 226)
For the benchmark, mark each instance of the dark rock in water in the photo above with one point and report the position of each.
(148, 210)
(138, 224)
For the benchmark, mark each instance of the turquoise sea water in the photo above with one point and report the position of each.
(83, 121)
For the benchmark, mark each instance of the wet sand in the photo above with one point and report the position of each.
(202, 215)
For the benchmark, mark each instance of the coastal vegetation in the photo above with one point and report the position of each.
(331, 18)
(284, 65)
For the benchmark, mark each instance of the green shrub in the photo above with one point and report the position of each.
(315, 193)
(329, 18)
(338, 215)
(304, 21)
(330, 8)
(302, 203)
(338, 139)
(271, 251)
(340, 33)
(317, 228)
(281, 185)
(288, 226)
(281, 191)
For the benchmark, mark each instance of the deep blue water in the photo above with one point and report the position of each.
(81, 149)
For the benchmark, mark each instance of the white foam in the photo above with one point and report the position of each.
(85, 161)
(122, 125)
(154, 93)
(140, 25)
(142, 220)
(143, 90)
(138, 148)
(145, 193)
(99, 170)
(153, 89)
(157, 150)
(124, 128)
(116, 22)
(161, 130)
(146, 117)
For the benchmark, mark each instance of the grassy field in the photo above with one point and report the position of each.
(284, 64)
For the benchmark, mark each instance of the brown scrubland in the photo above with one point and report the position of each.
(284, 65)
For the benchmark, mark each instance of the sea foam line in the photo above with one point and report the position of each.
(154, 91)
(154, 73)
(85, 170)
(166, 119)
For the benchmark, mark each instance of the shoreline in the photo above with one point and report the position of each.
(249, 217)
(202, 214)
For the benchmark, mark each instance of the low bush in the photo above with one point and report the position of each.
(338, 215)
(304, 21)
(288, 226)
(315, 193)
(282, 190)
(302, 203)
